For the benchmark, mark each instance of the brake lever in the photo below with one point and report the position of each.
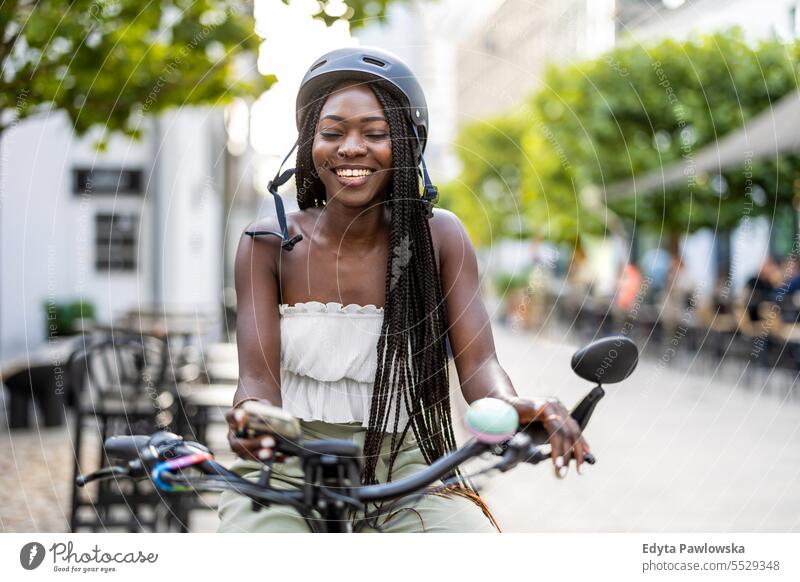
(105, 473)
(522, 449)
(538, 455)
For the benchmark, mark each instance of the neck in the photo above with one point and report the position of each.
(354, 229)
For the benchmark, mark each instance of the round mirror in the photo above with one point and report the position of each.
(607, 360)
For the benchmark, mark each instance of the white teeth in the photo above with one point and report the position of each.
(351, 173)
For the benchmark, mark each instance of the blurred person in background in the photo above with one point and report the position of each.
(760, 288)
(579, 277)
(656, 265)
(680, 286)
(628, 287)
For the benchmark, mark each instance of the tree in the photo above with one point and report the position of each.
(637, 109)
(109, 62)
(487, 194)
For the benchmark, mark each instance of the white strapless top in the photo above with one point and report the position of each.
(329, 358)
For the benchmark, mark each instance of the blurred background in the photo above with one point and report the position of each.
(622, 167)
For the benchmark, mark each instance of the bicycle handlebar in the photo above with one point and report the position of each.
(144, 453)
(160, 455)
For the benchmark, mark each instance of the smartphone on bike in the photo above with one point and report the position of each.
(264, 419)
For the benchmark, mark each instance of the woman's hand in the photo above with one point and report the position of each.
(565, 435)
(258, 449)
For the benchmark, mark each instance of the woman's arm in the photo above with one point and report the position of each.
(257, 320)
(470, 331)
(257, 335)
(471, 340)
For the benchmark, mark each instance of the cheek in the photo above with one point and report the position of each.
(318, 155)
(385, 155)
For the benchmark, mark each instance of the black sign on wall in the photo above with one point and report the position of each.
(108, 181)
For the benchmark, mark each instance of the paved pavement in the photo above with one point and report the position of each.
(678, 450)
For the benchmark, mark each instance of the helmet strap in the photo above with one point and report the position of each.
(273, 185)
(431, 195)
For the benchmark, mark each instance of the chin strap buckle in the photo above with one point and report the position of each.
(430, 198)
(273, 185)
(289, 244)
(431, 195)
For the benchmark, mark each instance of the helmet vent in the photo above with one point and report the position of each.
(373, 61)
(318, 65)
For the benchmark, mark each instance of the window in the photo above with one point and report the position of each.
(115, 242)
(108, 181)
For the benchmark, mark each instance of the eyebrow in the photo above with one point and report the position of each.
(363, 119)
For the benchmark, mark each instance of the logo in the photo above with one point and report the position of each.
(31, 555)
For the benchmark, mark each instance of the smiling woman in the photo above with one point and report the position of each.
(353, 152)
(348, 331)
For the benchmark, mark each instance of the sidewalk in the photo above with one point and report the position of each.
(676, 451)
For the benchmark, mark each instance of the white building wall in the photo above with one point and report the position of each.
(758, 19)
(47, 232)
(191, 223)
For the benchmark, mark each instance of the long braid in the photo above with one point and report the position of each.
(412, 367)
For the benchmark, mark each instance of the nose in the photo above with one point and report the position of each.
(352, 146)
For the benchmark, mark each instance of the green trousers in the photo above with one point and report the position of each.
(429, 513)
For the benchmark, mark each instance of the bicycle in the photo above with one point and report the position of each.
(331, 492)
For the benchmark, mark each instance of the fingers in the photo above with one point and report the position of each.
(553, 419)
(557, 453)
(237, 420)
(566, 440)
(258, 449)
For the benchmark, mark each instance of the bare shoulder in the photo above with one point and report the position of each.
(294, 222)
(256, 245)
(448, 233)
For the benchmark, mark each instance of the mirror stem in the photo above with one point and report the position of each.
(583, 411)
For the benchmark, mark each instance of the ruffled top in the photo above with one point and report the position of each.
(329, 355)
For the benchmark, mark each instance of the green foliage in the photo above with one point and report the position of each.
(109, 62)
(62, 319)
(487, 195)
(634, 110)
(638, 109)
(358, 13)
(505, 282)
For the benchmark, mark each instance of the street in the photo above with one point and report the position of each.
(677, 451)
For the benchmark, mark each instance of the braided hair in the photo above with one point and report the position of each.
(412, 368)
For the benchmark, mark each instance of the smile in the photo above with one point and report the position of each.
(353, 176)
(352, 172)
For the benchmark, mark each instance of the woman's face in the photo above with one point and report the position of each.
(352, 149)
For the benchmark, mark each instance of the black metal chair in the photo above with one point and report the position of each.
(120, 389)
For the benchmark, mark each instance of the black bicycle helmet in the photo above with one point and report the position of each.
(367, 64)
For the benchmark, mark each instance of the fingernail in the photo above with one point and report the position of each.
(264, 454)
(579, 469)
(268, 442)
(559, 461)
(238, 415)
(562, 472)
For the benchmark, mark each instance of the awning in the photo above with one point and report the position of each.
(773, 132)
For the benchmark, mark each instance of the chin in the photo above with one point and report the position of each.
(355, 199)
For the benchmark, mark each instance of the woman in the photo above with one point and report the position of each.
(348, 330)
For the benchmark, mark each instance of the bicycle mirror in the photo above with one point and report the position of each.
(607, 360)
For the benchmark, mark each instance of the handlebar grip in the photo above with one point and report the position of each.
(126, 447)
